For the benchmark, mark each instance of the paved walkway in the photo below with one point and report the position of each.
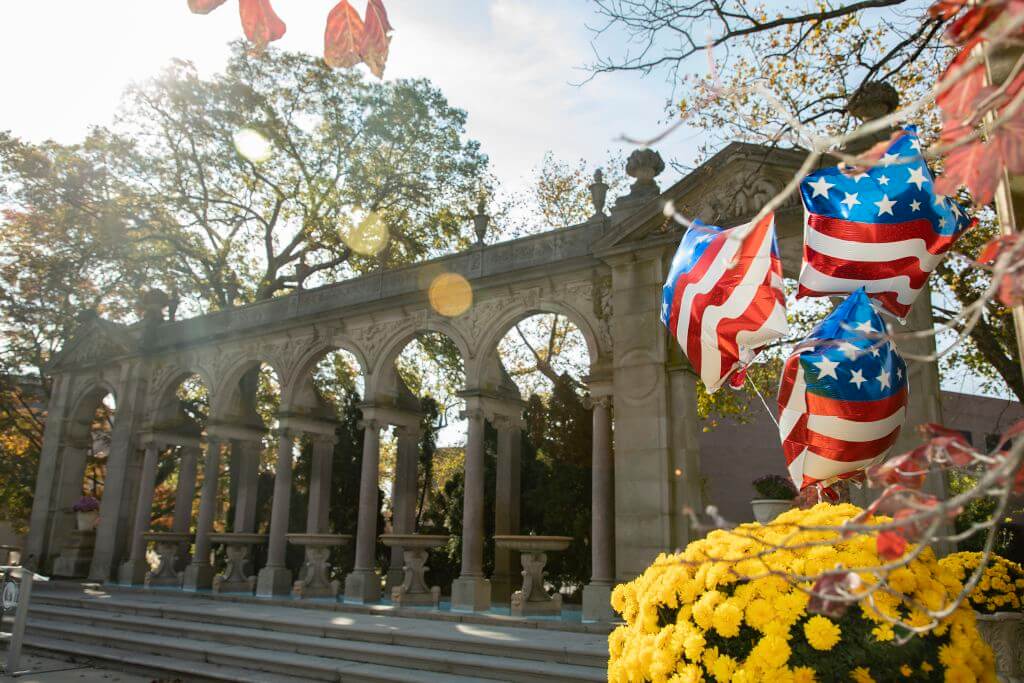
(47, 670)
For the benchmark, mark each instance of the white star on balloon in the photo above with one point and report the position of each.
(826, 368)
(865, 327)
(857, 377)
(917, 177)
(883, 379)
(885, 205)
(883, 180)
(915, 205)
(820, 187)
(850, 200)
(849, 350)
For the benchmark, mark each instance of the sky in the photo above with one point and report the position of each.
(513, 65)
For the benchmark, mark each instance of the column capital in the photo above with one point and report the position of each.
(370, 423)
(473, 414)
(323, 439)
(407, 430)
(502, 421)
(602, 400)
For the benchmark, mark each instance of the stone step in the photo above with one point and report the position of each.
(147, 664)
(587, 650)
(435, 659)
(214, 661)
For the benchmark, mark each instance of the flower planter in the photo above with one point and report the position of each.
(767, 509)
(1004, 633)
(87, 520)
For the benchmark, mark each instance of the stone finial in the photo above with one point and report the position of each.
(480, 221)
(873, 100)
(598, 193)
(152, 304)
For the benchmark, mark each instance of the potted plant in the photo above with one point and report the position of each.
(87, 512)
(775, 495)
(998, 601)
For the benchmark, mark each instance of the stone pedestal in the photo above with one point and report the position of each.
(1004, 633)
(471, 594)
(597, 602)
(362, 586)
(238, 571)
(315, 579)
(533, 600)
(413, 588)
(168, 550)
(76, 556)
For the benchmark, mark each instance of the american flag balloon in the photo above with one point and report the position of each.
(723, 299)
(884, 229)
(843, 396)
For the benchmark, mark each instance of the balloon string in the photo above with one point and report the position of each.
(764, 403)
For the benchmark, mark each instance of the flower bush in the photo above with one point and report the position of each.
(719, 611)
(86, 504)
(1001, 586)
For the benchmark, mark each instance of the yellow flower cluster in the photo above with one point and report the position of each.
(720, 611)
(1001, 586)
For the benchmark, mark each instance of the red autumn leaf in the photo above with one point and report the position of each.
(890, 545)
(260, 23)
(976, 20)
(991, 251)
(975, 165)
(737, 378)
(376, 38)
(945, 444)
(1009, 140)
(827, 594)
(946, 9)
(907, 469)
(957, 102)
(204, 6)
(343, 35)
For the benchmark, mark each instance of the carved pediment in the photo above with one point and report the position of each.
(726, 190)
(95, 343)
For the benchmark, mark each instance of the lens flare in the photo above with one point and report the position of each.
(252, 145)
(450, 294)
(369, 236)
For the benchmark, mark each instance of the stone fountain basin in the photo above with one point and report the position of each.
(168, 536)
(319, 540)
(238, 539)
(533, 544)
(410, 541)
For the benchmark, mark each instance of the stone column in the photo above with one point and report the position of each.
(506, 506)
(199, 573)
(40, 546)
(133, 571)
(363, 584)
(245, 472)
(67, 490)
(183, 498)
(275, 578)
(403, 499)
(319, 511)
(471, 592)
(597, 594)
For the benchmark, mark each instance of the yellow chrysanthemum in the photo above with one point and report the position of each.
(804, 674)
(726, 619)
(821, 633)
(861, 675)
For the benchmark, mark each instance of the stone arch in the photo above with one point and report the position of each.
(298, 393)
(227, 402)
(83, 407)
(164, 409)
(495, 332)
(384, 365)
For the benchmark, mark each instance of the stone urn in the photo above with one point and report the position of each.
(86, 521)
(1004, 633)
(767, 509)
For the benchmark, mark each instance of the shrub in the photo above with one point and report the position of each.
(1001, 586)
(775, 487)
(86, 504)
(714, 612)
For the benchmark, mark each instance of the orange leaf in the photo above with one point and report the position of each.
(946, 9)
(957, 103)
(260, 23)
(343, 35)
(204, 6)
(890, 544)
(376, 38)
(974, 22)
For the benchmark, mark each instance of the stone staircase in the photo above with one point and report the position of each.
(197, 638)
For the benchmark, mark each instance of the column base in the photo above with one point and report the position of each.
(362, 585)
(394, 579)
(132, 572)
(198, 577)
(471, 594)
(273, 581)
(597, 602)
